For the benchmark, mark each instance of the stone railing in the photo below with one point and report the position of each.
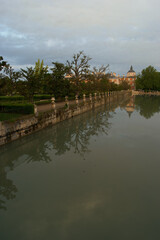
(10, 131)
(92, 98)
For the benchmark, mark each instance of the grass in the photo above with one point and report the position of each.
(9, 116)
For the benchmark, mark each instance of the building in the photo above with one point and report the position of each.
(130, 78)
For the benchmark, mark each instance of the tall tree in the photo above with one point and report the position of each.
(99, 78)
(30, 82)
(147, 80)
(40, 75)
(79, 68)
(58, 84)
(4, 66)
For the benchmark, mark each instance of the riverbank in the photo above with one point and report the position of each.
(10, 131)
(150, 93)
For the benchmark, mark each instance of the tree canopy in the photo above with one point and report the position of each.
(148, 79)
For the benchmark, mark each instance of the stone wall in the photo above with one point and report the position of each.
(10, 131)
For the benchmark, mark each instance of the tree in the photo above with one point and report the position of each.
(3, 74)
(148, 79)
(79, 68)
(99, 78)
(3, 64)
(123, 85)
(31, 85)
(58, 84)
(40, 72)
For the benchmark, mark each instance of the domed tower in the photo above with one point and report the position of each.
(131, 72)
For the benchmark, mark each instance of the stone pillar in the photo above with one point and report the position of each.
(35, 110)
(90, 97)
(77, 101)
(95, 96)
(84, 98)
(53, 103)
(66, 102)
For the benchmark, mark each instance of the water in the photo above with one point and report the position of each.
(95, 176)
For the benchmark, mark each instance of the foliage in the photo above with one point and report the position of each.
(40, 73)
(12, 98)
(30, 83)
(42, 96)
(79, 68)
(38, 80)
(124, 85)
(42, 102)
(59, 86)
(149, 79)
(23, 108)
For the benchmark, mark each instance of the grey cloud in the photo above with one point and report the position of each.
(116, 32)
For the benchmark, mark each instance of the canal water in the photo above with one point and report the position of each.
(96, 176)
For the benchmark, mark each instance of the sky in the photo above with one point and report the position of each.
(120, 33)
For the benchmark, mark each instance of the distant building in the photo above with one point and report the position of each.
(130, 78)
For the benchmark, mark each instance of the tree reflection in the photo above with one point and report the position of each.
(74, 134)
(7, 188)
(147, 105)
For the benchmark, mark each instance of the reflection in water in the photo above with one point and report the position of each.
(130, 106)
(7, 188)
(82, 199)
(73, 134)
(59, 139)
(147, 105)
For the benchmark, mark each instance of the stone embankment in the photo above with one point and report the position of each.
(10, 131)
(150, 93)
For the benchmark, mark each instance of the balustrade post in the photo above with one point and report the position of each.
(95, 96)
(53, 103)
(66, 102)
(77, 101)
(35, 110)
(84, 98)
(90, 97)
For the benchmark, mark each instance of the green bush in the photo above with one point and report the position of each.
(23, 108)
(41, 97)
(11, 98)
(43, 102)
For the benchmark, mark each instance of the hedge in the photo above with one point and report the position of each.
(42, 102)
(23, 108)
(12, 98)
(41, 97)
(22, 98)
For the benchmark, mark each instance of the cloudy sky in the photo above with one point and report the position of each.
(114, 32)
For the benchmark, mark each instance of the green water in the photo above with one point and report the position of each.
(96, 176)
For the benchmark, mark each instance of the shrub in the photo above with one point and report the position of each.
(24, 108)
(41, 97)
(42, 102)
(12, 98)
